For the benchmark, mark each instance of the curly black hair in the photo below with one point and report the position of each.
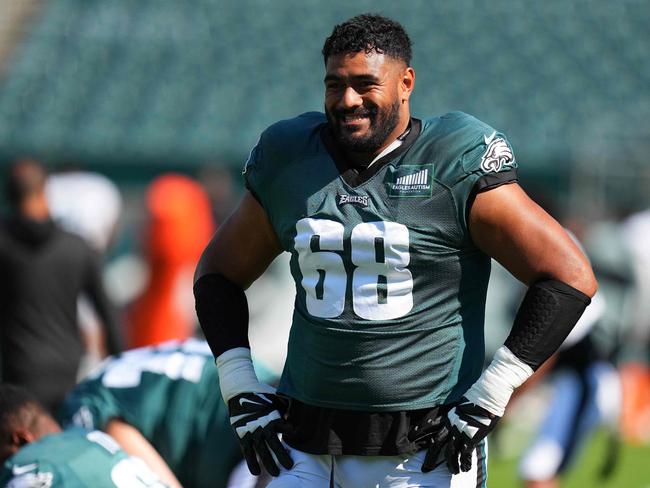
(369, 32)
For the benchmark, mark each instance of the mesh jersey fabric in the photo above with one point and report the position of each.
(390, 289)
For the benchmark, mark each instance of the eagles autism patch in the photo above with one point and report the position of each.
(410, 181)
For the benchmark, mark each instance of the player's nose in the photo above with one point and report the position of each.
(350, 98)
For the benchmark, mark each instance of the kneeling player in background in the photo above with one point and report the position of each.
(162, 404)
(37, 453)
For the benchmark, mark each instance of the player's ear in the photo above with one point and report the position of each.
(20, 437)
(407, 83)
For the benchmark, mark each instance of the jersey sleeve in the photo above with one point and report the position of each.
(251, 171)
(89, 407)
(279, 145)
(262, 163)
(484, 160)
(491, 163)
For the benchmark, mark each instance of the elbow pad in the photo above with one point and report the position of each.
(222, 310)
(545, 317)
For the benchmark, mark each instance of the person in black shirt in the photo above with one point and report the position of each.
(44, 269)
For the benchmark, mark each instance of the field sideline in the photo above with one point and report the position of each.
(632, 471)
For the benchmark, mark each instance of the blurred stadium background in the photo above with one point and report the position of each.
(133, 89)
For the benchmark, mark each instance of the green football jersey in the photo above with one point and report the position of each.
(390, 288)
(171, 394)
(76, 458)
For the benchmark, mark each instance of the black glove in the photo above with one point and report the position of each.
(431, 432)
(257, 421)
(468, 424)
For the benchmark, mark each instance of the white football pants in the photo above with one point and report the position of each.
(315, 471)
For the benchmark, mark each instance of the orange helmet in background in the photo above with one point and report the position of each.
(179, 227)
(180, 218)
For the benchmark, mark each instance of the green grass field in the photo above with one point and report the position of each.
(632, 469)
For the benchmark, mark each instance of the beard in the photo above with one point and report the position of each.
(381, 124)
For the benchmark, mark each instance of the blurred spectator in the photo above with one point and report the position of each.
(636, 233)
(179, 226)
(36, 453)
(163, 405)
(586, 394)
(584, 386)
(87, 204)
(635, 422)
(44, 269)
(635, 363)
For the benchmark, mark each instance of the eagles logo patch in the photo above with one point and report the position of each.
(497, 155)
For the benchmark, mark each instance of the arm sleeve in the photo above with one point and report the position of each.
(222, 309)
(549, 311)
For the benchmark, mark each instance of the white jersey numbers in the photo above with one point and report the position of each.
(126, 372)
(323, 271)
(382, 285)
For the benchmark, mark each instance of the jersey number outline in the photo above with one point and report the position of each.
(126, 372)
(382, 285)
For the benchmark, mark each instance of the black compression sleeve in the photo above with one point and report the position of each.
(222, 309)
(545, 317)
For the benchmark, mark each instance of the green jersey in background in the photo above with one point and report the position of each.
(76, 458)
(170, 393)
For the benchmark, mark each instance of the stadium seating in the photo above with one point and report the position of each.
(178, 82)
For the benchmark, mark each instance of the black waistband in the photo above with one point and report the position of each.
(319, 430)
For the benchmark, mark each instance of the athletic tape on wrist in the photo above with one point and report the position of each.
(493, 389)
(237, 374)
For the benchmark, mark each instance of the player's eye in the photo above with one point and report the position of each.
(332, 86)
(365, 86)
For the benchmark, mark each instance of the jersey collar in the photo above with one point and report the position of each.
(355, 176)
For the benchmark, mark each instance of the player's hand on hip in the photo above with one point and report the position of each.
(257, 420)
(483, 404)
(468, 425)
(432, 431)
